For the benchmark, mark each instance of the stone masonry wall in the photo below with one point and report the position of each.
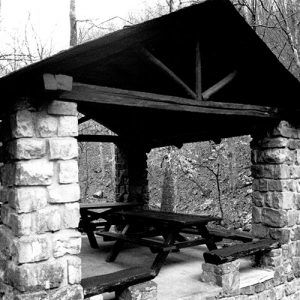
(275, 214)
(39, 239)
(131, 174)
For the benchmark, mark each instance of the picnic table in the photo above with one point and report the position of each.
(167, 225)
(91, 213)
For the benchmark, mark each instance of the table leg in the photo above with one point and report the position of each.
(87, 228)
(117, 247)
(210, 242)
(162, 255)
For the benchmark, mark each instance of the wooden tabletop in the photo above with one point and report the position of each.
(167, 217)
(102, 205)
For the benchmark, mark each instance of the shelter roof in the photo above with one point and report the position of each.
(203, 52)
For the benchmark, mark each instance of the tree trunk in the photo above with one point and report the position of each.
(73, 24)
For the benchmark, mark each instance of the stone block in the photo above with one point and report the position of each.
(66, 242)
(142, 291)
(8, 172)
(271, 171)
(258, 198)
(32, 248)
(274, 142)
(70, 215)
(49, 219)
(71, 292)
(68, 126)
(62, 108)
(4, 195)
(256, 214)
(283, 235)
(74, 269)
(35, 277)
(296, 266)
(63, 148)
(46, 125)
(28, 199)
(275, 156)
(6, 212)
(280, 200)
(284, 129)
(260, 185)
(281, 185)
(260, 231)
(274, 217)
(6, 245)
(22, 124)
(296, 233)
(22, 224)
(27, 148)
(32, 296)
(34, 172)
(64, 193)
(68, 171)
(292, 217)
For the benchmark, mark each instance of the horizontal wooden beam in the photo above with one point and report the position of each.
(124, 98)
(98, 138)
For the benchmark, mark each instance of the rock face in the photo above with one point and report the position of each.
(40, 213)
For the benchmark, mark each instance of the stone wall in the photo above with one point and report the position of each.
(131, 174)
(275, 214)
(39, 238)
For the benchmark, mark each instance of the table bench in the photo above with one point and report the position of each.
(114, 282)
(167, 225)
(228, 254)
(89, 214)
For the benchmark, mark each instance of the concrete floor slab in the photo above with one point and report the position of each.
(178, 279)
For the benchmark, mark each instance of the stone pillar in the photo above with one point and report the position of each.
(39, 239)
(276, 196)
(131, 174)
(142, 291)
(226, 275)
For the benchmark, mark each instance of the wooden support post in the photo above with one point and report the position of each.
(169, 72)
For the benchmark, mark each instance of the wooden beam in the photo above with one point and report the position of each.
(117, 97)
(198, 72)
(169, 72)
(218, 86)
(98, 138)
(57, 82)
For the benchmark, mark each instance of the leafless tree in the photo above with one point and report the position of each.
(73, 23)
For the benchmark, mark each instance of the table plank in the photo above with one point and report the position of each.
(181, 220)
(108, 205)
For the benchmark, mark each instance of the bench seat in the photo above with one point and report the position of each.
(116, 281)
(227, 254)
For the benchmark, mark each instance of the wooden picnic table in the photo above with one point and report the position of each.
(167, 225)
(91, 213)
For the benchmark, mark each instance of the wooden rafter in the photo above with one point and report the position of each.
(198, 72)
(169, 72)
(218, 86)
(118, 97)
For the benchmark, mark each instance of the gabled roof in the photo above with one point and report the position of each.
(160, 56)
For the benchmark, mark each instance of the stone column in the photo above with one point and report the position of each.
(39, 239)
(131, 174)
(276, 196)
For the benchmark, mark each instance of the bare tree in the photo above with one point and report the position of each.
(73, 23)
